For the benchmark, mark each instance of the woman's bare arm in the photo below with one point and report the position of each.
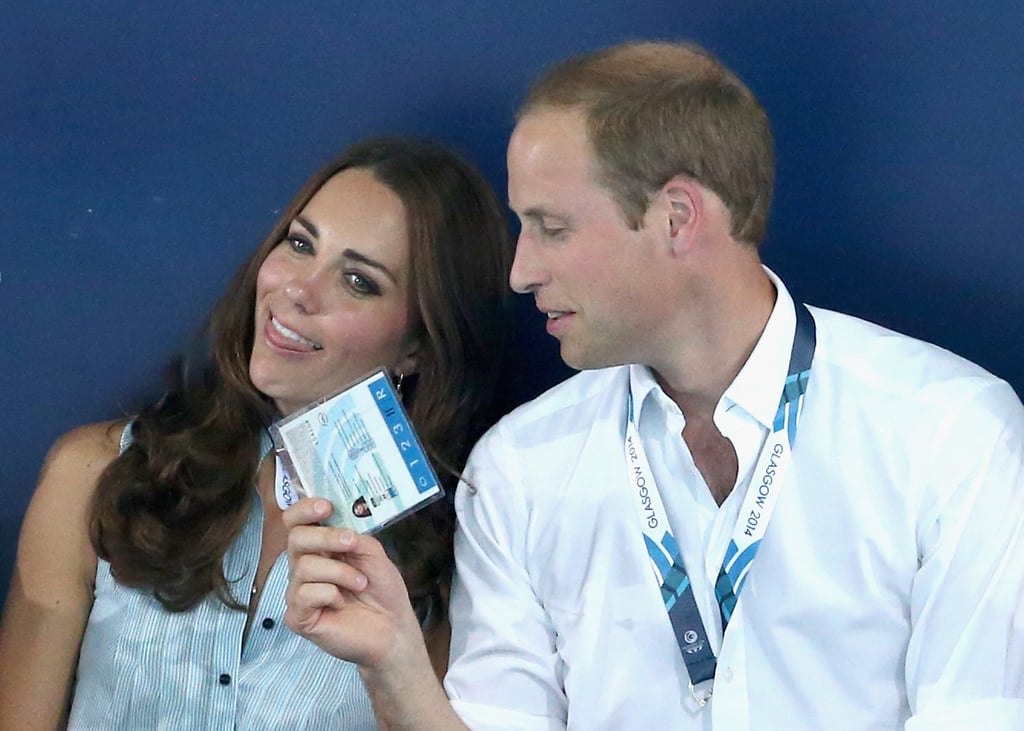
(51, 590)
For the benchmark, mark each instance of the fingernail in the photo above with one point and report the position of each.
(360, 581)
(346, 538)
(321, 507)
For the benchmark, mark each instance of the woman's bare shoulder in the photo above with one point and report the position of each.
(52, 585)
(89, 448)
(60, 506)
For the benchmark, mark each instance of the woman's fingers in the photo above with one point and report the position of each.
(305, 535)
(344, 593)
(305, 539)
(315, 568)
(307, 511)
(306, 603)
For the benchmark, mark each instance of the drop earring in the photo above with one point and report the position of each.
(398, 384)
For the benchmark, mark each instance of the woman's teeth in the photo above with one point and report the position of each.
(294, 336)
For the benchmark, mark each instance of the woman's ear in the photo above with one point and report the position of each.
(408, 362)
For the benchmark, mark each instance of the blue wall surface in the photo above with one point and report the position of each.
(146, 147)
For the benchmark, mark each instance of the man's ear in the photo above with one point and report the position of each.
(682, 211)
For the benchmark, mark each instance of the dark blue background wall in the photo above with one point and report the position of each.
(146, 147)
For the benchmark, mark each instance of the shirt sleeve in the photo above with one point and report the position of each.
(965, 658)
(505, 671)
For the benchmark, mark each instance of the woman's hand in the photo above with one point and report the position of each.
(344, 593)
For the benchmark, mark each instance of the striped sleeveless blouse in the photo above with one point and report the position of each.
(142, 667)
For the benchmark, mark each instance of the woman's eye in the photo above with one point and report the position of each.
(299, 244)
(361, 284)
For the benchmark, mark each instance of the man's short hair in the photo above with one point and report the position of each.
(657, 110)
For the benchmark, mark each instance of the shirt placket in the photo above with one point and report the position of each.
(240, 561)
(700, 531)
(730, 707)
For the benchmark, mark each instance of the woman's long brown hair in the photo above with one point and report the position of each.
(166, 511)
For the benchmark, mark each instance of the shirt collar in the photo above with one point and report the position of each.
(757, 386)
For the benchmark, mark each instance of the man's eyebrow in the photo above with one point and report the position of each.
(537, 213)
(354, 255)
(308, 225)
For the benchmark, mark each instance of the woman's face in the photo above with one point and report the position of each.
(332, 298)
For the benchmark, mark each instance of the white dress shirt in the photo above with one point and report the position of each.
(887, 593)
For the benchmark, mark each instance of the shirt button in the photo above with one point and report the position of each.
(224, 679)
(727, 675)
(268, 623)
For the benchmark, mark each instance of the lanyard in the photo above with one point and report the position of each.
(284, 488)
(755, 512)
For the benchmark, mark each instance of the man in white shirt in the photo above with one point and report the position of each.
(615, 565)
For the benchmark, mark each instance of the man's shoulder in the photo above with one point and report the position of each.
(866, 356)
(578, 394)
(569, 430)
(573, 406)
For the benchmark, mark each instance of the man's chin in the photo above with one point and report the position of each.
(582, 360)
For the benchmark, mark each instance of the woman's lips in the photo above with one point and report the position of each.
(281, 336)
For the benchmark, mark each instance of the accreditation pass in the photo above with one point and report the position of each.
(357, 449)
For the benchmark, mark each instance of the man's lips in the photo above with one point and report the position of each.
(553, 313)
(557, 320)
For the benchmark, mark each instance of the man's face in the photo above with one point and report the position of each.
(594, 277)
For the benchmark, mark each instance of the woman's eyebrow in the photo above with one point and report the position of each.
(308, 225)
(370, 262)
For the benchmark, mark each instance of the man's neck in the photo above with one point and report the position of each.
(712, 353)
(719, 344)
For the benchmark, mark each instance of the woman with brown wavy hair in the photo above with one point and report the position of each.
(149, 587)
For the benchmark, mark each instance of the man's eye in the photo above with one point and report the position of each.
(361, 284)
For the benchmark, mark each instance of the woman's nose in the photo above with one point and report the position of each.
(303, 293)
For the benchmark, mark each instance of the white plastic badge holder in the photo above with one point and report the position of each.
(357, 449)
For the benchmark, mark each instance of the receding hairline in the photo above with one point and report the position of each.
(656, 109)
(583, 82)
(617, 66)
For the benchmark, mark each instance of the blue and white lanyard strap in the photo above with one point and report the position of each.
(755, 513)
(284, 487)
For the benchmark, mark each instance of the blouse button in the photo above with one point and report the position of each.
(224, 679)
(268, 623)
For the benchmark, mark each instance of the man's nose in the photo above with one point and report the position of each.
(527, 272)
